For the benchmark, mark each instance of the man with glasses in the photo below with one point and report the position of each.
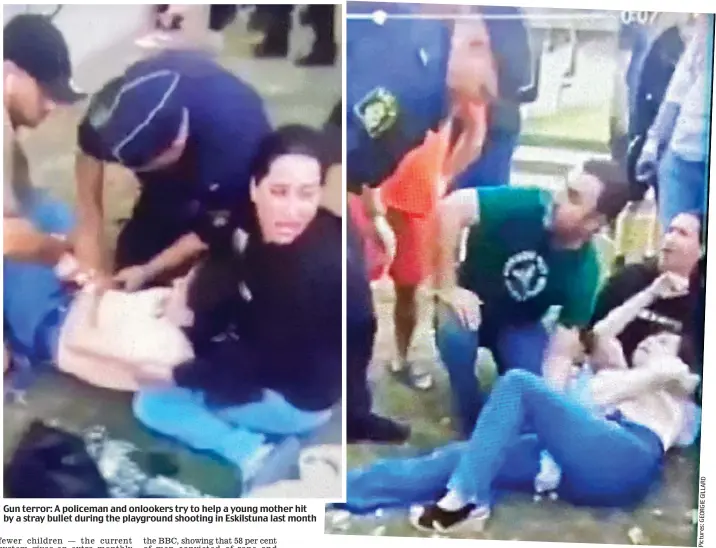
(188, 129)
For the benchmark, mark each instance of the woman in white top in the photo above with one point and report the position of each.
(606, 458)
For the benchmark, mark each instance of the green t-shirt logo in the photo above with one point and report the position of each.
(525, 275)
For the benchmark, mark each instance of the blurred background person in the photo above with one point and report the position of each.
(276, 22)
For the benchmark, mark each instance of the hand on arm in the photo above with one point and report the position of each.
(666, 286)
(185, 249)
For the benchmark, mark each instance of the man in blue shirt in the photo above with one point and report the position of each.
(188, 129)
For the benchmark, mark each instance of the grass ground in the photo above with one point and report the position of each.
(584, 127)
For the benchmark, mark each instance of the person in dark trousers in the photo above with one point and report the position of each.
(277, 27)
(321, 19)
(648, 78)
(361, 324)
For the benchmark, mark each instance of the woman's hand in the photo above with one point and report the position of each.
(133, 278)
(173, 305)
(669, 286)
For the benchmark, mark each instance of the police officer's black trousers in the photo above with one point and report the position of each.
(361, 326)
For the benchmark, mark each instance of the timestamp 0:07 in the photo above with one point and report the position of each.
(639, 17)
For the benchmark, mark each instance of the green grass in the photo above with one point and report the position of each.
(583, 127)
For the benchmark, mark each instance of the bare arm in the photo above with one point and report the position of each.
(617, 320)
(90, 248)
(470, 142)
(23, 242)
(564, 347)
(455, 212)
(185, 249)
(371, 201)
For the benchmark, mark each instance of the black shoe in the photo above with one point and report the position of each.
(322, 56)
(433, 519)
(271, 49)
(377, 429)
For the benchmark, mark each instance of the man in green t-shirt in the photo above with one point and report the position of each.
(526, 251)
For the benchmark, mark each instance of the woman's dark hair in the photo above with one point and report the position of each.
(588, 340)
(290, 139)
(615, 188)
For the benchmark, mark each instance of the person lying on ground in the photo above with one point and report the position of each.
(267, 319)
(526, 251)
(52, 316)
(625, 421)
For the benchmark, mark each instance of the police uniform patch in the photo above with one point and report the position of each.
(220, 218)
(99, 116)
(378, 111)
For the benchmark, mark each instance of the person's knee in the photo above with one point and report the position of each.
(452, 336)
(518, 378)
(145, 406)
(154, 408)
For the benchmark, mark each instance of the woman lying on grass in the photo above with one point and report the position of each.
(607, 434)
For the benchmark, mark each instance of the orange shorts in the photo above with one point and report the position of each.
(408, 267)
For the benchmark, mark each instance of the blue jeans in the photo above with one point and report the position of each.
(495, 163)
(604, 463)
(514, 347)
(233, 433)
(34, 299)
(682, 187)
